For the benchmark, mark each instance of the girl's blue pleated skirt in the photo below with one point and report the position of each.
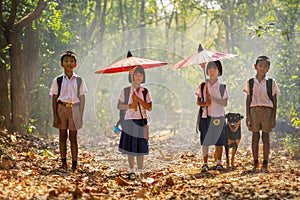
(132, 140)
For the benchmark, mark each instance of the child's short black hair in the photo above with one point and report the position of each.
(215, 64)
(140, 70)
(263, 58)
(68, 53)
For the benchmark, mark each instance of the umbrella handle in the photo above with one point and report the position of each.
(204, 74)
(208, 98)
(132, 80)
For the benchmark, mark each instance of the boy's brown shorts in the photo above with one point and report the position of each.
(260, 119)
(69, 117)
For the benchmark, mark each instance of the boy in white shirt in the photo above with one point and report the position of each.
(68, 100)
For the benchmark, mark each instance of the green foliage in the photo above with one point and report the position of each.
(292, 144)
(44, 152)
(247, 28)
(30, 126)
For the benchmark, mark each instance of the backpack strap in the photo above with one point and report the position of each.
(122, 112)
(269, 88)
(251, 84)
(79, 81)
(126, 94)
(59, 82)
(145, 91)
(200, 108)
(222, 89)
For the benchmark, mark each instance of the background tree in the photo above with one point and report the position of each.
(12, 26)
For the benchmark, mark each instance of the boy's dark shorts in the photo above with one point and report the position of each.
(69, 117)
(212, 131)
(260, 119)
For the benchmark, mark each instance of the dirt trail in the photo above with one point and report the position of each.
(172, 171)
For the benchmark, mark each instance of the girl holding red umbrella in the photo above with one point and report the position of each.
(133, 142)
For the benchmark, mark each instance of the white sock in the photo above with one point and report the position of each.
(131, 170)
(219, 162)
(140, 170)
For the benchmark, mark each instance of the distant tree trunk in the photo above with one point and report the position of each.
(122, 20)
(103, 21)
(4, 100)
(228, 6)
(143, 36)
(31, 61)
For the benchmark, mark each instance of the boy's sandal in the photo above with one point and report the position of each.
(131, 176)
(204, 168)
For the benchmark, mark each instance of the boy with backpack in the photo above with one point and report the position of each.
(212, 115)
(68, 100)
(261, 106)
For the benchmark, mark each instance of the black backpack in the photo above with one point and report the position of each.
(126, 94)
(222, 90)
(78, 80)
(269, 89)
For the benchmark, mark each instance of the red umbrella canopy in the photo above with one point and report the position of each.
(200, 57)
(128, 63)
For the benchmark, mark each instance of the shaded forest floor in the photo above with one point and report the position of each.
(29, 169)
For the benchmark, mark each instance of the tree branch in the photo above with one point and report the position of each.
(13, 13)
(31, 16)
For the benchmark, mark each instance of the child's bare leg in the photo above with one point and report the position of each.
(266, 147)
(255, 144)
(205, 154)
(63, 146)
(131, 163)
(74, 147)
(140, 163)
(219, 151)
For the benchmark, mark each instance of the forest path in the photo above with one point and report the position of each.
(29, 169)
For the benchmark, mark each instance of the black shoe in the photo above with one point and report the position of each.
(131, 176)
(64, 166)
(204, 168)
(219, 167)
(74, 165)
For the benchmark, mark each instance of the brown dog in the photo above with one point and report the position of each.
(233, 135)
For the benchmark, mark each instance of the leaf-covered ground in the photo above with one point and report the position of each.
(29, 169)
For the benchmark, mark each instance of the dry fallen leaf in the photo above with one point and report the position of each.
(141, 194)
(77, 194)
(169, 181)
(120, 181)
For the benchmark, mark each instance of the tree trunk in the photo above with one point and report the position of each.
(17, 83)
(4, 100)
(31, 62)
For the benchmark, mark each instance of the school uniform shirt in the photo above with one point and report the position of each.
(68, 91)
(215, 109)
(260, 95)
(131, 113)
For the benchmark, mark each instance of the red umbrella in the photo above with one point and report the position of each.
(201, 57)
(128, 63)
